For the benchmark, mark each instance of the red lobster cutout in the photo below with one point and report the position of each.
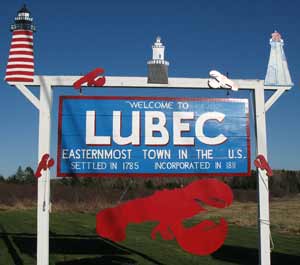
(90, 79)
(44, 164)
(262, 163)
(170, 208)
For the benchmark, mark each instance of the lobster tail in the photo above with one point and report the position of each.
(111, 225)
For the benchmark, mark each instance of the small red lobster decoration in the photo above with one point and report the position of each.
(45, 163)
(262, 163)
(92, 79)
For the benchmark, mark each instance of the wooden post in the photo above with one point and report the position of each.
(44, 181)
(263, 185)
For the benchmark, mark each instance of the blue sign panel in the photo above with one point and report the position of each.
(143, 136)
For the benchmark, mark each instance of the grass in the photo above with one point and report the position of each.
(284, 214)
(73, 241)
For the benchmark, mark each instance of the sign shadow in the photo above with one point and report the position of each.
(249, 256)
(105, 251)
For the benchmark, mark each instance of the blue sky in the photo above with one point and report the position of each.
(74, 37)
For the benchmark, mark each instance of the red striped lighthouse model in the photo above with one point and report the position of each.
(20, 66)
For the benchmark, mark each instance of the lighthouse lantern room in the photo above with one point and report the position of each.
(23, 21)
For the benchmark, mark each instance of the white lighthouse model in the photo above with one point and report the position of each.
(278, 72)
(158, 66)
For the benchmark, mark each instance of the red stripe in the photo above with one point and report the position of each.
(19, 73)
(20, 60)
(21, 52)
(20, 66)
(22, 32)
(18, 79)
(20, 46)
(21, 39)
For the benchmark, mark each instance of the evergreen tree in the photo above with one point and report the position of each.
(65, 181)
(20, 176)
(29, 175)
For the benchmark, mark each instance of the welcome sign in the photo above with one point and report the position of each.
(147, 136)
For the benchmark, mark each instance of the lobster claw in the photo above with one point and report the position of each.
(201, 239)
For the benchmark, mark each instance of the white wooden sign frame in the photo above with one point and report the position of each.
(44, 105)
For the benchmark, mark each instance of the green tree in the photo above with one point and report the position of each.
(75, 181)
(65, 181)
(20, 176)
(149, 184)
(87, 181)
(17, 177)
(29, 175)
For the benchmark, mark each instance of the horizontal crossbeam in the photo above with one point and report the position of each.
(141, 82)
